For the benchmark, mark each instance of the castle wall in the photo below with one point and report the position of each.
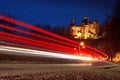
(88, 31)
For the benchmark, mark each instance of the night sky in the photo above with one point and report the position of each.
(56, 12)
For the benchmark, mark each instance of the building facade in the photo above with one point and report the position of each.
(87, 30)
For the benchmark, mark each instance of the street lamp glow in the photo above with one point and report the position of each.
(82, 44)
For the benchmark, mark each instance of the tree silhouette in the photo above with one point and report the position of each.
(61, 30)
(111, 41)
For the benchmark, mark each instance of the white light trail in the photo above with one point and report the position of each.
(43, 53)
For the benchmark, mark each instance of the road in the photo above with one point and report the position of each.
(90, 70)
(58, 72)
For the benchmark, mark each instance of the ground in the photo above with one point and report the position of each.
(59, 72)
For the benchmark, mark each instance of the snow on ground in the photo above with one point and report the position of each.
(59, 72)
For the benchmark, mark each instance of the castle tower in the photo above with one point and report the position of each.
(85, 21)
(72, 22)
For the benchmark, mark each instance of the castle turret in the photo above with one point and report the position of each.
(72, 22)
(85, 21)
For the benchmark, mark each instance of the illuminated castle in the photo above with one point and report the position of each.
(87, 30)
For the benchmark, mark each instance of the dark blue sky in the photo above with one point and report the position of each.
(56, 12)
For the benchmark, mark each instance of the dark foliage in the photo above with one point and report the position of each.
(110, 44)
(60, 30)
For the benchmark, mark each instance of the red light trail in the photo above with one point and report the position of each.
(36, 35)
(35, 28)
(28, 41)
(50, 41)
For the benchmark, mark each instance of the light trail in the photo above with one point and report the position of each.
(48, 35)
(29, 43)
(44, 53)
(36, 35)
(34, 42)
(17, 22)
(96, 51)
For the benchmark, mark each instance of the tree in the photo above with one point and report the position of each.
(111, 41)
(61, 30)
(117, 8)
